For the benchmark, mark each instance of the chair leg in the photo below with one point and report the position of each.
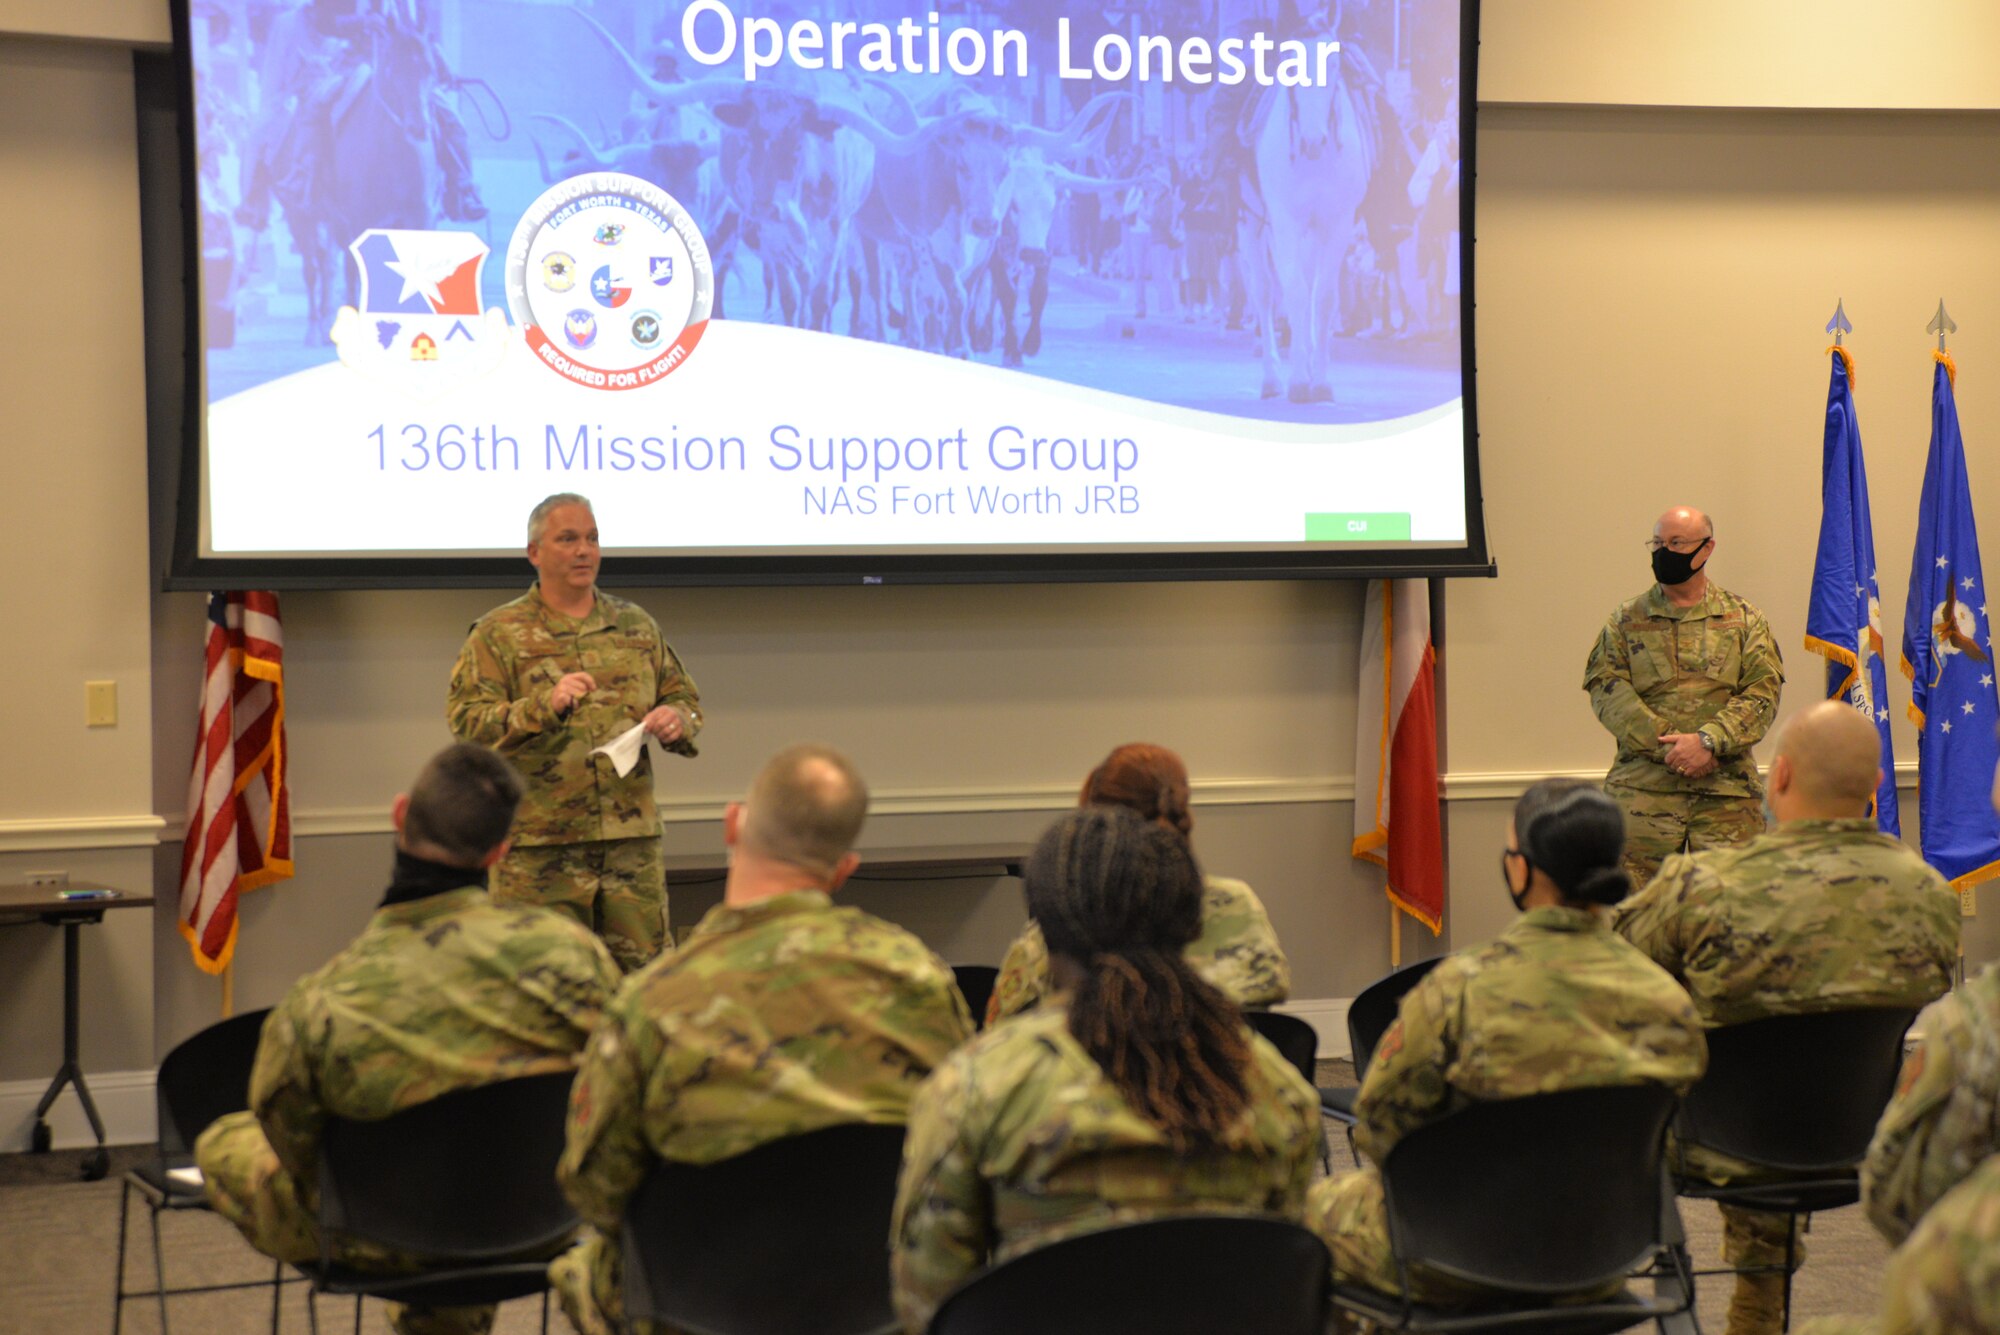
(160, 1272)
(1791, 1251)
(357, 1314)
(312, 1308)
(277, 1293)
(545, 1312)
(118, 1280)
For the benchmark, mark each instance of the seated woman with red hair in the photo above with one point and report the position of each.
(1237, 950)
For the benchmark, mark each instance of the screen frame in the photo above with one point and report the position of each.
(174, 362)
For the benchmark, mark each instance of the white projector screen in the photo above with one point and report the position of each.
(819, 291)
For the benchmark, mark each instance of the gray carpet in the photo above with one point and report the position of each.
(59, 1241)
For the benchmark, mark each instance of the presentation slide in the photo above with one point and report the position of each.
(795, 277)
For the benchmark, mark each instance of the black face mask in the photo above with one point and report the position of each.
(1672, 567)
(1508, 882)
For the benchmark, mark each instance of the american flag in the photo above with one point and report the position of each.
(239, 821)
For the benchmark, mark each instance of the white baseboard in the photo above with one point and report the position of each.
(1327, 1016)
(124, 1100)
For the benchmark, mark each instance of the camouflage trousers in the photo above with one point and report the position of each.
(1756, 1239)
(1351, 1216)
(249, 1187)
(615, 887)
(1658, 825)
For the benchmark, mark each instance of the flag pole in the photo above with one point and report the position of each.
(1395, 937)
(229, 989)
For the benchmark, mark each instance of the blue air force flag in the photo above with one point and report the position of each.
(1948, 656)
(1844, 618)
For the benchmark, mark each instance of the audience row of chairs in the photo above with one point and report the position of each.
(1479, 1195)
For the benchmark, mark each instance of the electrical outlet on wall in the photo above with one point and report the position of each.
(48, 878)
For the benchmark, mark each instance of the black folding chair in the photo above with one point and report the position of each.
(466, 1181)
(1182, 1275)
(1799, 1095)
(975, 984)
(790, 1238)
(1535, 1200)
(1367, 1020)
(1298, 1043)
(205, 1077)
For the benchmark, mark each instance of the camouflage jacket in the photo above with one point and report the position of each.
(1712, 668)
(499, 697)
(1237, 951)
(1945, 1118)
(1554, 1002)
(771, 1020)
(1816, 915)
(1020, 1139)
(444, 992)
(1946, 1279)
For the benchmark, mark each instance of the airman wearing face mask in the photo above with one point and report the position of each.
(1685, 677)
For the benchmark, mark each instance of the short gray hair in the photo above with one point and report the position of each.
(538, 518)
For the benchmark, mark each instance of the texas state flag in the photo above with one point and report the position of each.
(419, 273)
(1398, 821)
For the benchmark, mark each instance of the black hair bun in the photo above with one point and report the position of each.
(1603, 885)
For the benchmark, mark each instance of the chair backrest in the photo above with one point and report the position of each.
(1549, 1194)
(206, 1076)
(1186, 1275)
(975, 984)
(469, 1175)
(790, 1236)
(1296, 1041)
(1797, 1092)
(1371, 1013)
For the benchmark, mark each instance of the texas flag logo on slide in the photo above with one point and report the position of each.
(418, 322)
(608, 288)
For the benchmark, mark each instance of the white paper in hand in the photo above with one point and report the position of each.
(624, 749)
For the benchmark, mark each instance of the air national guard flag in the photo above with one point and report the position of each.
(1844, 618)
(239, 821)
(1396, 816)
(1948, 656)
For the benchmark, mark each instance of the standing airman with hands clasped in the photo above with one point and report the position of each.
(1685, 678)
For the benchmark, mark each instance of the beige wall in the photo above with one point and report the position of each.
(1913, 54)
(1651, 280)
(974, 713)
(74, 443)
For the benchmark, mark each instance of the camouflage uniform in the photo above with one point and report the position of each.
(1945, 1118)
(1020, 1139)
(1237, 951)
(585, 840)
(1816, 915)
(442, 992)
(1946, 1279)
(770, 1020)
(1555, 1002)
(1712, 668)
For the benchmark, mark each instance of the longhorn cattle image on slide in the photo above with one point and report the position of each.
(1281, 245)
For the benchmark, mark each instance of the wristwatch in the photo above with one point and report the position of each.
(1707, 742)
